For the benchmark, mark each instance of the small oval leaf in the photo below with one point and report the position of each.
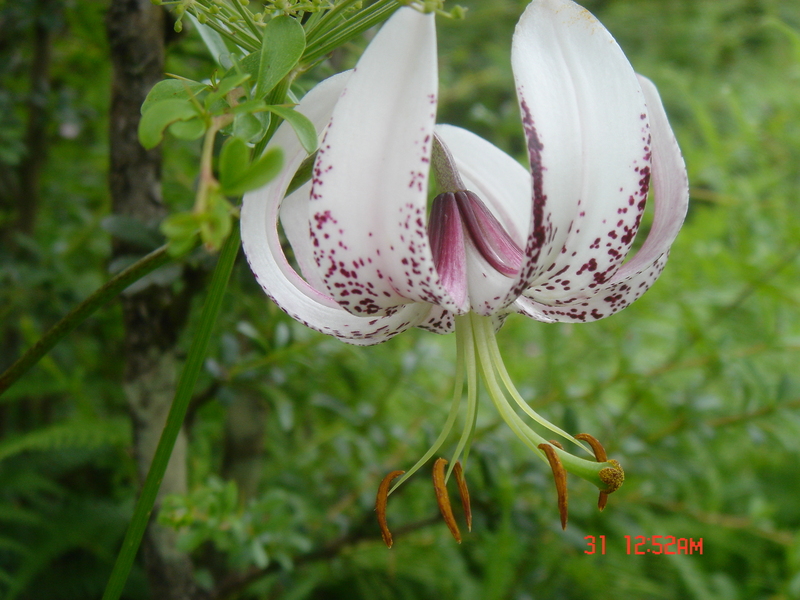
(304, 128)
(159, 116)
(259, 173)
(233, 161)
(248, 127)
(188, 130)
(283, 45)
(172, 89)
(230, 82)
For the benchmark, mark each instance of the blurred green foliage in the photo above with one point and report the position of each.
(695, 388)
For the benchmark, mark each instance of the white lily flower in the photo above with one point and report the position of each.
(549, 242)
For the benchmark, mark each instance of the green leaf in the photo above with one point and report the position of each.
(188, 130)
(83, 434)
(216, 222)
(159, 116)
(229, 83)
(249, 106)
(180, 229)
(260, 172)
(250, 127)
(177, 413)
(179, 225)
(283, 45)
(304, 128)
(233, 161)
(172, 89)
(249, 65)
(303, 173)
(213, 41)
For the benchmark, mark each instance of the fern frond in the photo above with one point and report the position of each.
(79, 434)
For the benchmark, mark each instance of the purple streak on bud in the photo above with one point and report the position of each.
(452, 215)
(490, 238)
(447, 246)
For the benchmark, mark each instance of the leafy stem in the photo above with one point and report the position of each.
(208, 182)
(83, 311)
(177, 413)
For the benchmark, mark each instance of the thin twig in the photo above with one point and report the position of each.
(783, 538)
(80, 313)
(230, 588)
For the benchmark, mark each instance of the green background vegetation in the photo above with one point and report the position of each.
(695, 388)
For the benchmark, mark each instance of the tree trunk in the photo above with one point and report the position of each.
(38, 116)
(153, 316)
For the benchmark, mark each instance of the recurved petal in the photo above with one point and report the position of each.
(587, 131)
(671, 199)
(262, 244)
(369, 193)
(439, 320)
(670, 186)
(317, 105)
(505, 187)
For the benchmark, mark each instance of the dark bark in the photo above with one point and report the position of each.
(27, 30)
(38, 116)
(153, 316)
(243, 455)
(20, 183)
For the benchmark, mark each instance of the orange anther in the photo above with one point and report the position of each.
(597, 447)
(464, 491)
(380, 506)
(560, 477)
(442, 499)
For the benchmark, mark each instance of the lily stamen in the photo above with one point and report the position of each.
(597, 447)
(464, 493)
(380, 506)
(560, 477)
(443, 498)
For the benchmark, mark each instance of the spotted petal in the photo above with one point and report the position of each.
(671, 196)
(262, 245)
(369, 193)
(586, 126)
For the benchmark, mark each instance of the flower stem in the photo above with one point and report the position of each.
(83, 311)
(177, 412)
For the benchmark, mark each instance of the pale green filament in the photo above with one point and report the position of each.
(468, 347)
(461, 344)
(477, 351)
(485, 330)
(483, 334)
